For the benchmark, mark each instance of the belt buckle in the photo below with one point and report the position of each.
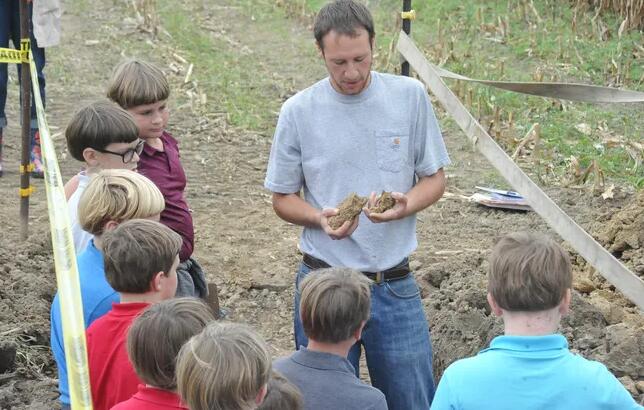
(379, 277)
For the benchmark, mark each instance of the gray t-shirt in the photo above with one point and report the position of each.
(331, 144)
(328, 381)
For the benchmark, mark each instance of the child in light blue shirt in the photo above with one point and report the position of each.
(530, 367)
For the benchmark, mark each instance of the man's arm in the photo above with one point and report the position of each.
(292, 208)
(426, 192)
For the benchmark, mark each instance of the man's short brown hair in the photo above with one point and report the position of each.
(97, 126)
(344, 17)
(137, 250)
(334, 303)
(157, 335)
(528, 272)
(136, 82)
(281, 394)
(224, 367)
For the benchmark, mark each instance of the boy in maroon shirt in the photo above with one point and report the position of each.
(167, 326)
(141, 258)
(143, 90)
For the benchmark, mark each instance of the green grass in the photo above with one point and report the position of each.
(548, 44)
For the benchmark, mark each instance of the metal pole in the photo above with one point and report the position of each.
(25, 85)
(406, 26)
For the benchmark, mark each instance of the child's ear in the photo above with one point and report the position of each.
(89, 154)
(564, 306)
(494, 306)
(157, 281)
(259, 399)
(358, 333)
(110, 225)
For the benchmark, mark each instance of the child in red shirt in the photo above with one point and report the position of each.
(169, 324)
(141, 258)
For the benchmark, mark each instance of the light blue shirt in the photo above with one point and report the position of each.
(330, 145)
(97, 296)
(530, 372)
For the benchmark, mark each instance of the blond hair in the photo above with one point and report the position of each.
(528, 272)
(334, 303)
(224, 367)
(136, 82)
(157, 335)
(117, 195)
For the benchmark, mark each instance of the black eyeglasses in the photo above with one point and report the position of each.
(128, 155)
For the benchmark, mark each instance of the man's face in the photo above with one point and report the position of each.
(348, 60)
(151, 119)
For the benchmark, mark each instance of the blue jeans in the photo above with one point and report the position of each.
(10, 30)
(396, 342)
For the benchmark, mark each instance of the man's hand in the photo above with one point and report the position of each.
(342, 232)
(399, 210)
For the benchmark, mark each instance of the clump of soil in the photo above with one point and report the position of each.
(348, 209)
(384, 203)
(623, 234)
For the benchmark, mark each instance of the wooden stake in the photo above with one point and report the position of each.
(25, 85)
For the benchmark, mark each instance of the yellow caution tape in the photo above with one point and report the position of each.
(29, 168)
(71, 305)
(11, 55)
(25, 192)
(408, 15)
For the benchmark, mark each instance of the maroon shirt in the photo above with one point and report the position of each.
(165, 170)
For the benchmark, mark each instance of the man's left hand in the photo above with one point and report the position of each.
(399, 210)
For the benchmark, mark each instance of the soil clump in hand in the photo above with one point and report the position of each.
(384, 203)
(348, 209)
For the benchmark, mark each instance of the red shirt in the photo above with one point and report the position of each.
(165, 170)
(151, 398)
(111, 374)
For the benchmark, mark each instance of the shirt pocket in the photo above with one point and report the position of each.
(392, 149)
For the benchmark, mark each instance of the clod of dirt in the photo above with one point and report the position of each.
(7, 356)
(383, 203)
(623, 234)
(348, 209)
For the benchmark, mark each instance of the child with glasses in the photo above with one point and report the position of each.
(103, 136)
(143, 90)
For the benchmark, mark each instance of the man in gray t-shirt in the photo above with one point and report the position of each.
(364, 132)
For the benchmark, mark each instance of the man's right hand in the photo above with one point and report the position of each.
(342, 232)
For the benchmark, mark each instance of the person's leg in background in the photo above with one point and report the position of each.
(10, 30)
(398, 347)
(8, 19)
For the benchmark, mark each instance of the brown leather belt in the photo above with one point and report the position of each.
(399, 271)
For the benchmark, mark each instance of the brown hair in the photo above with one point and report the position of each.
(528, 272)
(137, 250)
(117, 195)
(281, 395)
(136, 82)
(334, 303)
(97, 126)
(343, 17)
(224, 367)
(157, 335)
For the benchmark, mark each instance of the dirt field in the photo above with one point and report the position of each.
(251, 254)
